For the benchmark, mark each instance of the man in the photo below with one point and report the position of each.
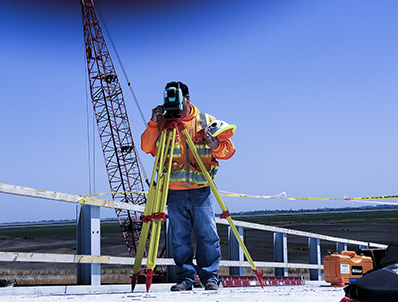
(190, 203)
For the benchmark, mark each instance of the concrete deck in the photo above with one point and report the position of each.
(316, 291)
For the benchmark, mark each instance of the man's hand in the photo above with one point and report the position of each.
(211, 141)
(157, 113)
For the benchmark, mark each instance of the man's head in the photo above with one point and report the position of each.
(182, 86)
(185, 93)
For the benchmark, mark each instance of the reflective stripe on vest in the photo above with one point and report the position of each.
(176, 151)
(194, 176)
(202, 121)
(203, 150)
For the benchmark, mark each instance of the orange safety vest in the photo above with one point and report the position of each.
(185, 171)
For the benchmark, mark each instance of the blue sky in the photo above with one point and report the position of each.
(311, 86)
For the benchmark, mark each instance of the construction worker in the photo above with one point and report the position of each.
(190, 203)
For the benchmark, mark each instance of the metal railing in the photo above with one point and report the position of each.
(91, 260)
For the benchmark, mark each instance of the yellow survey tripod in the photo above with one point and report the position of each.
(157, 197)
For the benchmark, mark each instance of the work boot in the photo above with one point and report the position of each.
(211, 285)
(179, 287)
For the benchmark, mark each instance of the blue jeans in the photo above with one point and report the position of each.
(193, 211)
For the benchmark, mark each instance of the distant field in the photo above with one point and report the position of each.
(49, 230)
(365, 217)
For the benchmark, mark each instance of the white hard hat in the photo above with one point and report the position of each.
(216, 127)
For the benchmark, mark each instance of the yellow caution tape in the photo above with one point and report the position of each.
(282, 195)
(373, 198)
(279, 197)
(83, 201)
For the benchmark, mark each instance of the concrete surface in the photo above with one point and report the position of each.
(316, 291)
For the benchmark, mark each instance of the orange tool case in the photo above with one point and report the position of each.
(340, 268)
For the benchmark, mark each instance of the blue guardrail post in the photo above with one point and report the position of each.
(88, 242)
(280, 253)
(235, 252)
(315, 257)
(341, 246)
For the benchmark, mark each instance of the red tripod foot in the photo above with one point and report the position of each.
(259, 277)
(134, 281)
(148, 281)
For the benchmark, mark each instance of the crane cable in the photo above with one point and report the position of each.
(122, 67)
(90, 140)
(140, 164)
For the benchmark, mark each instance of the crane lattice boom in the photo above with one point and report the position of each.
(114, 128)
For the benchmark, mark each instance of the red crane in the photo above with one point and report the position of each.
(114, 128)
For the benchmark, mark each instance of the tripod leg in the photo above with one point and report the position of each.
(149, 208)
(226, 213)
(159, 208)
